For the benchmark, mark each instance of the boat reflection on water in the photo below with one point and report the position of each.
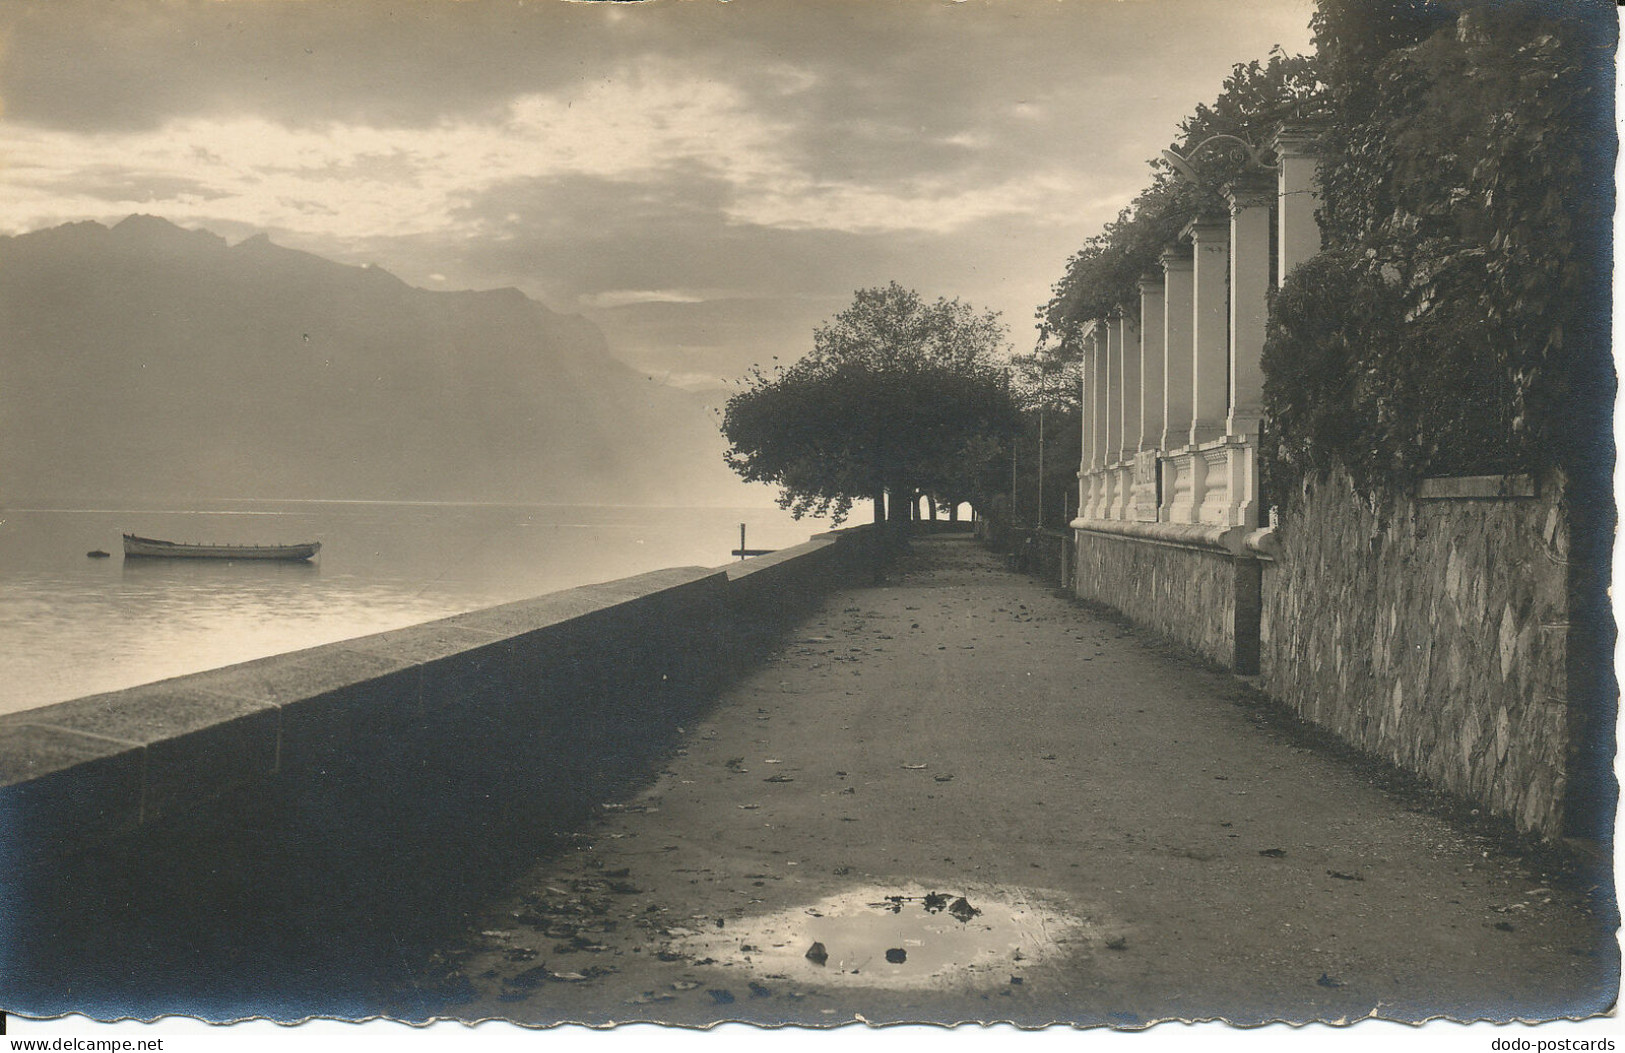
(222, 572)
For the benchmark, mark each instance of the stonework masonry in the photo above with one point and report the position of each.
(1462, 632)
(1434, 635)
(1204, 597)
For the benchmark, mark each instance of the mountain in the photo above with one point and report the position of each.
(148, 362)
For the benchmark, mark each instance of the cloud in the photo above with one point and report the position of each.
(98, 67)
(935, 205)
(706, 180)
(623, 297)
(639, 128)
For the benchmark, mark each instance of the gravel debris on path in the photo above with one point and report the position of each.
(1136, 841)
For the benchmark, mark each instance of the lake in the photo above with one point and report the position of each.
(72, 626)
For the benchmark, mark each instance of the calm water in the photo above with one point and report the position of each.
(72, 626)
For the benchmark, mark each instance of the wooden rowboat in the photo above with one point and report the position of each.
(151, 547)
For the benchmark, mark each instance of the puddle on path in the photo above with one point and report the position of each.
(890, 936)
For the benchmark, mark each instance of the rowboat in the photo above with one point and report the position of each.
(151, 547)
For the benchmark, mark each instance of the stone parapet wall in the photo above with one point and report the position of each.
(1203, 595)
(1434, 635)
(568, 681)
(288, 805)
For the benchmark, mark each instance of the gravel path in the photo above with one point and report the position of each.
(1141, 839)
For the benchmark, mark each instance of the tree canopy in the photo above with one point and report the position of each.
(898, 396)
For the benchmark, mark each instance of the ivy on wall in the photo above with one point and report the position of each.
(1458, 321)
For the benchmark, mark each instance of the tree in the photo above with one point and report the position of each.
(1048, 385)
(898, 397)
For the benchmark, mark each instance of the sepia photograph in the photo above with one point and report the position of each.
(741, 521)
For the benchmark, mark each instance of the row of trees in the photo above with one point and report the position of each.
(903, 399)
(899, 398)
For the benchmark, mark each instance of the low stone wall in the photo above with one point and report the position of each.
(335, 801)
(1435, 636)
(1194, 589)
(109, 762)
(1045, 554)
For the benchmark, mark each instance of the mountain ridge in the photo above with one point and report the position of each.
(146, 360)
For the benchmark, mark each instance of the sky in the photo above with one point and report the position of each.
(705, 180)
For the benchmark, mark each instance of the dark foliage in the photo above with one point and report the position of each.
(1460, 313)
(1042, 481)
(898, 396)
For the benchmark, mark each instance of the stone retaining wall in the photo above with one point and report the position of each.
(1045, 554)
(1435, 636)
(1202, 595)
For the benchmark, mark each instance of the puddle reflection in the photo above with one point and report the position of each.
(886, 936)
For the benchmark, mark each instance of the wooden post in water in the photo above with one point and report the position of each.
(742, 551)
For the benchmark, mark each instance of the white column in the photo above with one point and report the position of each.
(1249, 304)
(1114, 384)
(1210, 330)
(1153, 366)
(1176, 342)
(1102, 421)
(1297, 198)
(1133, 390)
(1086, 415)
(1101, 489)
(1086, 393)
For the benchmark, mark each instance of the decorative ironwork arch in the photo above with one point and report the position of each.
(1238, 150)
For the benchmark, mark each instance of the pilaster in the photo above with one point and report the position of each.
(1086, 394)
(1101, 421)
(1111, 381)
(1177, 275)
(1210, 335)
(1297, 198)
(1153, 365)
(1250, 203)
(1114, 394)
(1128, 331)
